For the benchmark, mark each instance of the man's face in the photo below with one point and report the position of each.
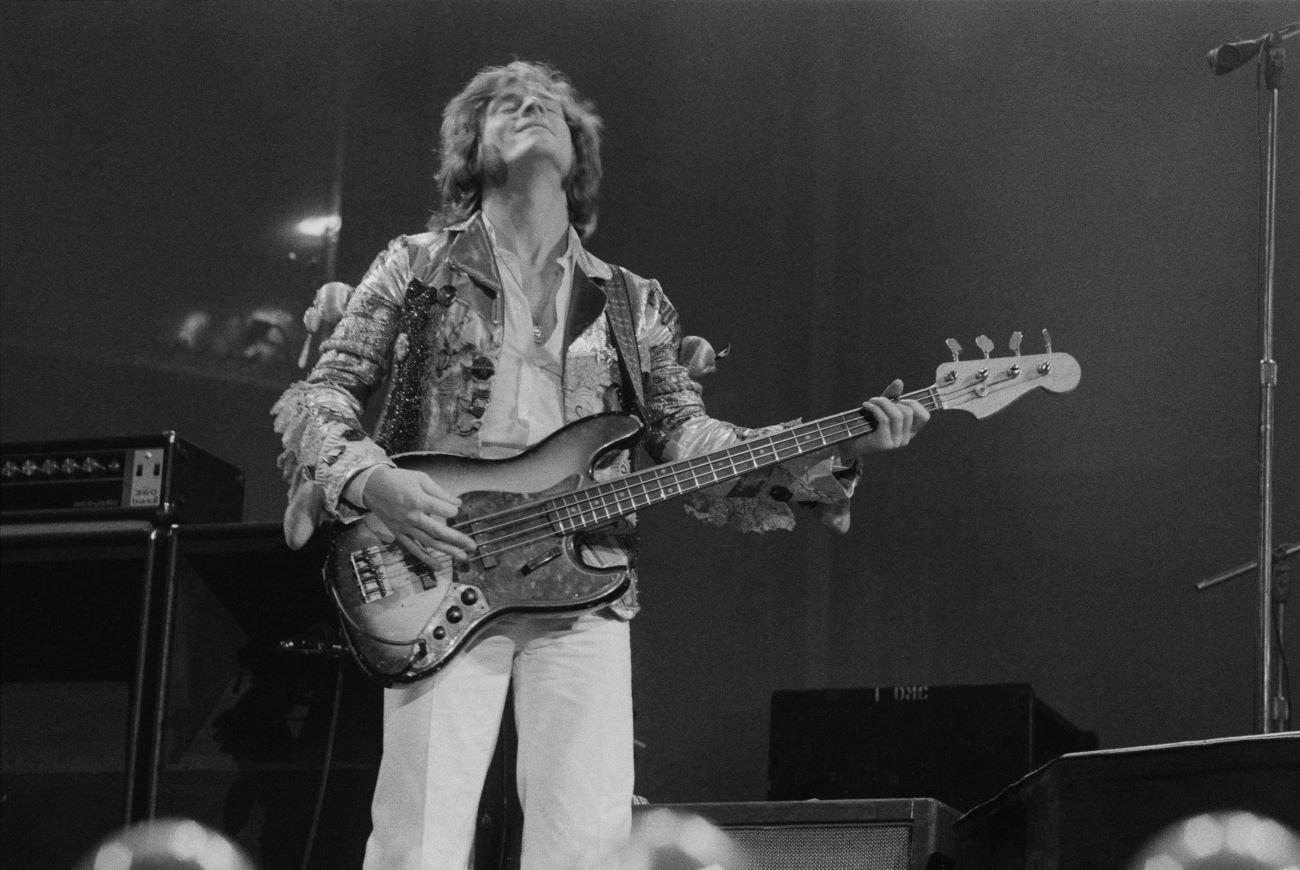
(524, 122)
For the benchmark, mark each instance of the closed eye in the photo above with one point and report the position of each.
(511, 102)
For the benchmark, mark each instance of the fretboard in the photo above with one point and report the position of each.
(599, 504)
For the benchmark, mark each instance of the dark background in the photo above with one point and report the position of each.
(833, 188)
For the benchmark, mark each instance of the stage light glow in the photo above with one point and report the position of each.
(1162, 862)
(218, 854)
(668, 840)
(167, 844)
(320, 226)
(1203, 835)
(1242, 834)
(188, 840)
(1262, 839)
(113, 856)
(1237, 840)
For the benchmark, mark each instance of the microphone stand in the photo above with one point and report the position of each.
(1279, 592)
(1270, 699)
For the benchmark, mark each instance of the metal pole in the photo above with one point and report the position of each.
(1270, 702)
(1269, 707)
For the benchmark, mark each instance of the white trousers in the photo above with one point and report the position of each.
(572, 679)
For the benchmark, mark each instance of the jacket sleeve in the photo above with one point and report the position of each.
(319, 419)
(679, 428)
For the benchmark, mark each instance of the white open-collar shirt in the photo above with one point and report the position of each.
(527, 389)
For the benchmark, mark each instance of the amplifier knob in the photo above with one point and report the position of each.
(9, 470)
(70, 466)
(49, 467)
(29, 468)
(91, 465)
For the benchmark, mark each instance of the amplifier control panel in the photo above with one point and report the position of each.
(162, 477)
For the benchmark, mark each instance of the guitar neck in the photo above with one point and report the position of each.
(597, 505)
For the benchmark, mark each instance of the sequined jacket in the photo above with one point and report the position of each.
(426, 321)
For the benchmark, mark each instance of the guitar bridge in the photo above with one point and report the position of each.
(368, 569)
(380, 568)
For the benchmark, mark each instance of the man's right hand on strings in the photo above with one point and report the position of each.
(416, 509)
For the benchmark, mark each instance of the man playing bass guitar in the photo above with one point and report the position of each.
(497, 328)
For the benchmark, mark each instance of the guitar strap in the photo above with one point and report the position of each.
(622, 328)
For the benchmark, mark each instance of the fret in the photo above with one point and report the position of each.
(564, 521)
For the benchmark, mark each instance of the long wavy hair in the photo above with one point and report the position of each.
(460, 168)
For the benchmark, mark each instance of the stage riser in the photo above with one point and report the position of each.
(1098, 809)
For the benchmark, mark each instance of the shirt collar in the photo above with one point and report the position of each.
(576, 253)
(573, 243)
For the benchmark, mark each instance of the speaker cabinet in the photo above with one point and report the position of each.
(73, 668)
(1098, 809)
(897, 834)
(958, 744)
(144, 679)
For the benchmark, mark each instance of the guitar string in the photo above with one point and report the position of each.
(652, 480)
(616, 498)
(621, 489)
(775, 443)
(612, 499)
(930, 398)
(529, 523)
(852, 423)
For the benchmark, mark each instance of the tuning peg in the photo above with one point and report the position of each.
(985, 344)
(1045, 366)
(955, 348)
(1014, 369)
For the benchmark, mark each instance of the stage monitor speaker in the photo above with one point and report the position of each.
(1099, 809)
(896, 834)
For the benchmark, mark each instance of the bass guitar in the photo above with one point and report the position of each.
(404, 619)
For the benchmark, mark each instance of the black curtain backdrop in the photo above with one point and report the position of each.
(833, 188)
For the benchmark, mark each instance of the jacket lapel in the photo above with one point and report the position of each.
(474, 268)
(586, 302)
(477, 281)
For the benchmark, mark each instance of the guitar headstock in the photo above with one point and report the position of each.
(985, 386)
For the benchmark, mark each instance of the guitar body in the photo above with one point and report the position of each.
(404, 619)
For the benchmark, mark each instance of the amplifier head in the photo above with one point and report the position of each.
(159, 478)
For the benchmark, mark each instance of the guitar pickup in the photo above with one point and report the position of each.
(426, 575)
(549, 556)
